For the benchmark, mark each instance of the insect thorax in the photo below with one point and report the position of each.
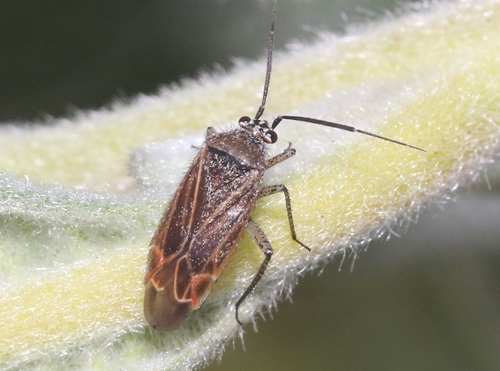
(248, 149)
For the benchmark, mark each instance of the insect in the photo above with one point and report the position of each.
(211, 209)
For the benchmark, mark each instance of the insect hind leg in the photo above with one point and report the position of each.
(260, 238)
(270, 190)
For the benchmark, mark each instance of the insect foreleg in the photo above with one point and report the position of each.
(270, 190)
(286, 154)
(260, 238)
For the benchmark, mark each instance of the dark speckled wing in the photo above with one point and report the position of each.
(200, 229)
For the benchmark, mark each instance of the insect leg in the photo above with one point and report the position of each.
(260, 238)
(270, 190)
(286, 154)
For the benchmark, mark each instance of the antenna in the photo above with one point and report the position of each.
(269, 66)
(311, 120)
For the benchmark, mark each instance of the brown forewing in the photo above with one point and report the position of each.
(200, 229)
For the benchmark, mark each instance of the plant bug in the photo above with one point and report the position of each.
(211, 209)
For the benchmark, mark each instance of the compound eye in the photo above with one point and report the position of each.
(273, 137)
(244, 119)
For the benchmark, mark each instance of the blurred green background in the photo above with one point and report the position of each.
(427, 301)
(60, 55)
